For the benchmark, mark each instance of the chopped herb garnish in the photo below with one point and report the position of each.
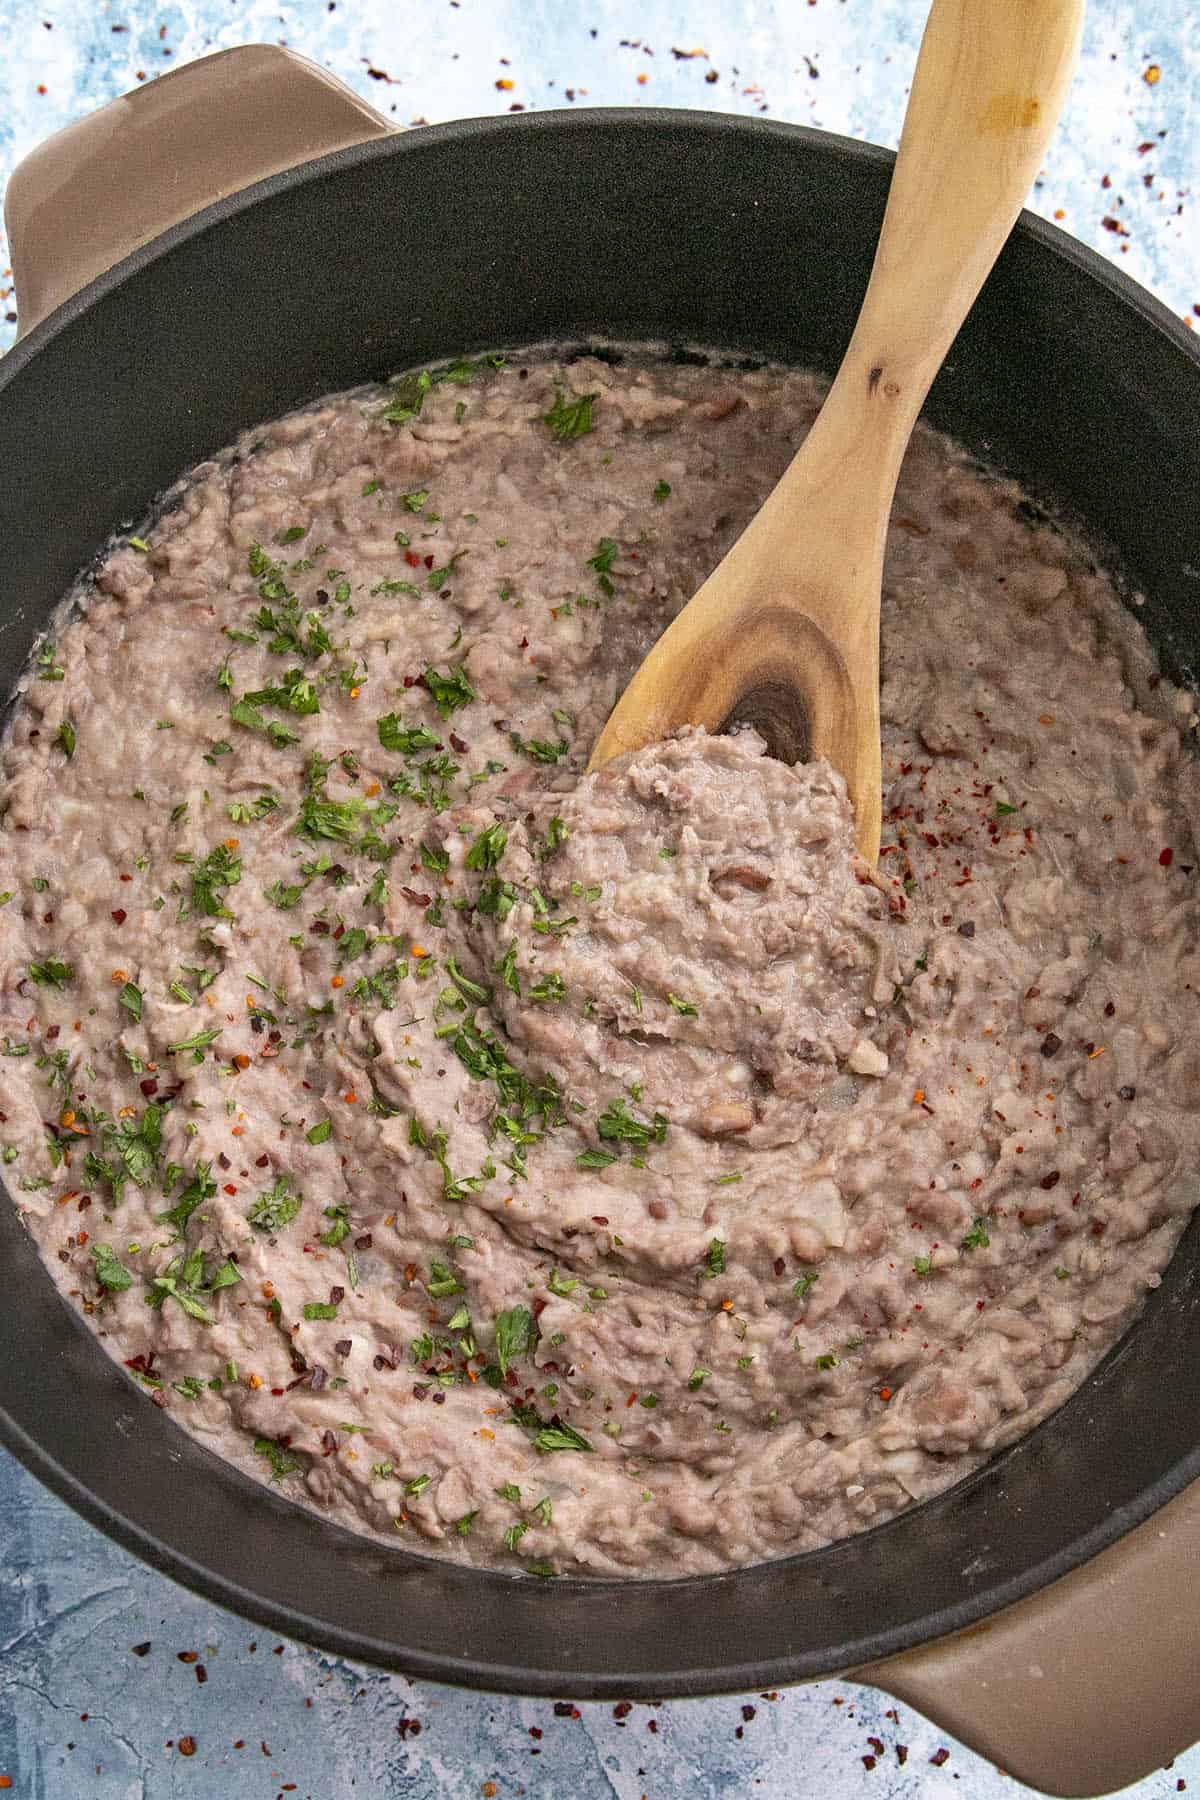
(320, 1132)
(449, 692)
(714, 1260)
(487, 848)
(595, 1159)
(52, 972)
(617, 1123)
(515, 1335)
(130, 997)
(110, 1273)
(276, 1208)
(442, 1281)
(559, 1437)
(219, 871)
(394, 736)
(201, 1188)
(320, 1309)
(570, 418)
(977, 1238)
(280, 1458)
(339, 1230)
(197, 1042)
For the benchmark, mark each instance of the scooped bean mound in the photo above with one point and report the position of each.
(602, 1174)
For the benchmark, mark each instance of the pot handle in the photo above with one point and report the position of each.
(1089, 1685)
(99, 189)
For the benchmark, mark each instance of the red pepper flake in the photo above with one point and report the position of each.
(622, 1709)
(407, 1728)
(868, 1762)
(231, 1187)
(565, 1709)
(187, 1746)
(1166, 857)
(120, 916)
(940, 1757)
(187, 1656)
(140, 1649)
(902, 1754)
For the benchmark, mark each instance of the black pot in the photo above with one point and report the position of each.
(583, 227)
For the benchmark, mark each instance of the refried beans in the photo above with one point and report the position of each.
(610, 1174)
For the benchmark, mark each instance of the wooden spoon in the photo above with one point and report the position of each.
(784, 634)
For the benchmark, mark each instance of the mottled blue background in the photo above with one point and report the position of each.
(80, 1714)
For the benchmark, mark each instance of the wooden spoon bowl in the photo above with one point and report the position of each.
(784, 634)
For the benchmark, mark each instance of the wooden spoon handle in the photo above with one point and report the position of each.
(989, 84)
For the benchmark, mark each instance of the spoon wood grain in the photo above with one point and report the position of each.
(784, 634)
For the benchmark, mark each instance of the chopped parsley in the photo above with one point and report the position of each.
(714, 1260)
(110, 1273)
(443, 1280)
(339, 1230)
(276, 1208)
(279, 1456)
(393, 735)
(449, 692)
(487, 848)
(570, 417)
(211, 879)
(202, 1187)
(617, 1124)
(130, 997)
(559, 1437)
(52, 972)
(516, 1335)
(977, 1238)
(185, 1279)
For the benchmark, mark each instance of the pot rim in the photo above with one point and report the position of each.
(717, 1675)
(1052, 237)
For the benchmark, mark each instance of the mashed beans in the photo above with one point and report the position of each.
(589, 1174)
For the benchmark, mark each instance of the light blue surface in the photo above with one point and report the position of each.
(80, 1714)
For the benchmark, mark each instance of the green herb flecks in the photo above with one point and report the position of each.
(570, 416)
(450, 691)
(211, 880)
(110, 1273)
(276, 1208)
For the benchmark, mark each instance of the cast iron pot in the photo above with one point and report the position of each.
(210, 304)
